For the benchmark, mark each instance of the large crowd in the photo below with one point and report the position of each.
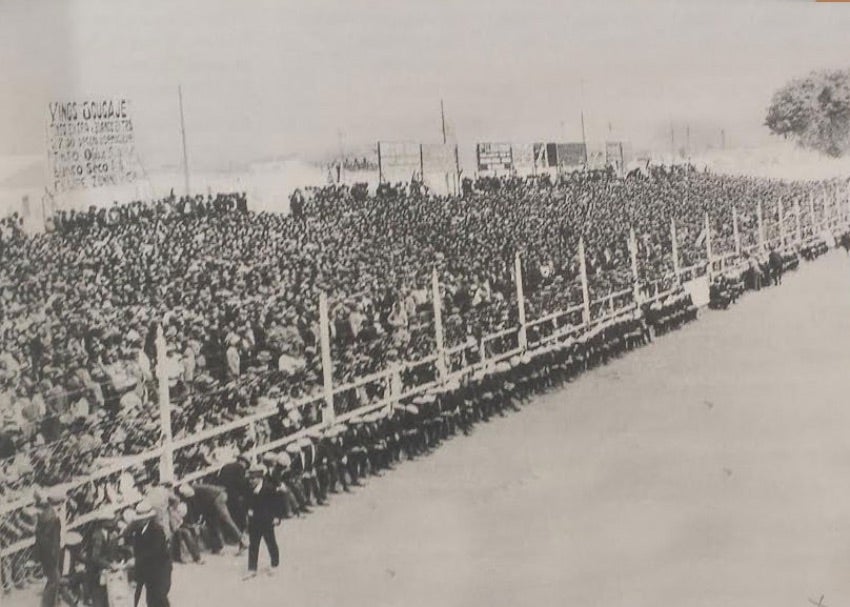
(237, 293)
(234, 297)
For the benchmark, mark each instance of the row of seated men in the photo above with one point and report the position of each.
(312, 468)
(814, 249)
(307, 471)
(728, 286)
(670, 312)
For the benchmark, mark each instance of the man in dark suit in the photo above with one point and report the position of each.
(210, 502)
(153, 559)
(263, 512)
(47, 545)
(99, 556)
(233, 477)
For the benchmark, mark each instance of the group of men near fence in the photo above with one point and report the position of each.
(246, 499)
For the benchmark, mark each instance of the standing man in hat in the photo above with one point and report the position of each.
(99, 557)
(47, 545)
(233, 477)
(263, 511)
(153, 559)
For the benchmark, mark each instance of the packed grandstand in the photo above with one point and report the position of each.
(233, 298)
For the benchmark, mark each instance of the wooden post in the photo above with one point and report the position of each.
(166, 461)
(395, 386)
(520, 298)
(438, 325)
(252, 433)
(63, 524)
(633, 251)
(812, 213)
(798, 224)
(708, 245)
(781, 224)
(847, 200)
(735, 231)
(183, 137)
(328, 414)
(760, 217)
(585, 290)
(675, 249)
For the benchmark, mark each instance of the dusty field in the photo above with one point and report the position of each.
(712, 468)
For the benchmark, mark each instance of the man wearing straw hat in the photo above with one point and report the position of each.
(47, 544)
(99, 556)
(153, 559)
(263, 512)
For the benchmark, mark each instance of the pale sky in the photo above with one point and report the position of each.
(277, 78)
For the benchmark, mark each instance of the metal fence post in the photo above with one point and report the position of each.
(166, 461)
(438, 325)
(328, 413)
(585, 290)
(520, 298)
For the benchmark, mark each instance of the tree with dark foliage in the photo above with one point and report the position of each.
(814, 111)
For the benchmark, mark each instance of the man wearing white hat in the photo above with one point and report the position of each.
(153, 558)
(98, 557)
(47, 544)
(263, 511)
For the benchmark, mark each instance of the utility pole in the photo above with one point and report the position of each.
(583, 133)
(722, 139)
(443, 120)
(688, 140)
(183, 136)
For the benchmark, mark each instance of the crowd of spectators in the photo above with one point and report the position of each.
(236, 296)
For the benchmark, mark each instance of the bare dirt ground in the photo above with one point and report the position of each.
(712, 468)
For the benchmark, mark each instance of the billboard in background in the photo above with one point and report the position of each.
(523, 158)
(596, 158)
(494, 158)
(614, 156)
(90, 144)
(399, 161)
(571, 154)
(440, 167)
